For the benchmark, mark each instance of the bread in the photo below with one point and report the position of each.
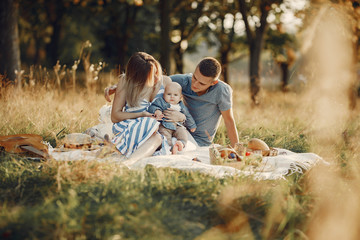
(257, 144)
(77, 141)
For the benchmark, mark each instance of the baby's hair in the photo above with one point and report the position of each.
(174, 84)
(178, 86)
(210, 67)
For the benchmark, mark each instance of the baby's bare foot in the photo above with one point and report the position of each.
(178, 146)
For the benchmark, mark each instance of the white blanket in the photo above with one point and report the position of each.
(276, 167)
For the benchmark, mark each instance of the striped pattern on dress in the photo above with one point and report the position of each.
(130, 134)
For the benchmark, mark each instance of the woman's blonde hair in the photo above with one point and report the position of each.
(139, 76)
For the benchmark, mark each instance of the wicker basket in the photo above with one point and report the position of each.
(220, 155)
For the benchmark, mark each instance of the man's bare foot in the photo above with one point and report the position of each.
(178, 146)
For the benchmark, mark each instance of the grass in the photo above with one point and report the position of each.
(93, 200)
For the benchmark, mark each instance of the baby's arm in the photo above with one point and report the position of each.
(158, 114)
(156, 109)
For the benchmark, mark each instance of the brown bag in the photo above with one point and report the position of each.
(27, 144)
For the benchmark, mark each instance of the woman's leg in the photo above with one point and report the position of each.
(145, 150)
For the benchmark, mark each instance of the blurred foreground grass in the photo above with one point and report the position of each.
(90, 200)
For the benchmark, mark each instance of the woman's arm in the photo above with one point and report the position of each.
(117, 113)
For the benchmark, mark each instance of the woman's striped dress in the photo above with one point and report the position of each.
(130, 134)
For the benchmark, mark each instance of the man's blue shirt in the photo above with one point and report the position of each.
(205, 109)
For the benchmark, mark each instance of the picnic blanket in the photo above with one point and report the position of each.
(194, 158)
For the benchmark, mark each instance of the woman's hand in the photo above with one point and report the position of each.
(147, 114)
(109, 91)
(172, 115)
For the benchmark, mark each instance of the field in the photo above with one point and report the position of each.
(90, 200)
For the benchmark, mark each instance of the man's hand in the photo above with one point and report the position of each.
(109, 91)
(192, 129)
(172, 115)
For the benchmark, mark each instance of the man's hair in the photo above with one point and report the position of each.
(210, 67)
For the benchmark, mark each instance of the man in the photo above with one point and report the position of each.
(207, 98)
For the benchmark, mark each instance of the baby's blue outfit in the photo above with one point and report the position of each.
(205, 109)
(160, 104)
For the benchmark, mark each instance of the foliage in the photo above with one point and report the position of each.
(55, 30)
(103, 200)
(99, 200)
(66, 24)
(278, 43)
(154, 203)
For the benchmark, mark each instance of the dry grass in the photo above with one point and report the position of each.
(45, 112)
(295, 209)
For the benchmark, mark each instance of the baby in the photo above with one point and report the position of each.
(173, 99)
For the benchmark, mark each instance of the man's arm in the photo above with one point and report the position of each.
(230, 126)
(189, 122)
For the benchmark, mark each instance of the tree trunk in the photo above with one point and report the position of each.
(354, 90)
(255, 40)
(122, 37)
(225, 65)
(179, 59)
(122, 46)
(226, 40)
(52, 49)
(55, 11)
(254, 70)
(284, 66)
(165, 43)
(9, 39)
(124, 34)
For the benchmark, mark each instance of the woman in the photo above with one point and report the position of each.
(134, 128)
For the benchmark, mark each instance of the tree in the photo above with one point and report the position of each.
(185, 24)
(55, 10)
(9, 39)
(226, 43)
(281, 47)
(355, 89)
(222, 18)
(254, 15)
(165, 26)
(43, 29)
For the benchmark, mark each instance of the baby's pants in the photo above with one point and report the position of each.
(180, 134)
